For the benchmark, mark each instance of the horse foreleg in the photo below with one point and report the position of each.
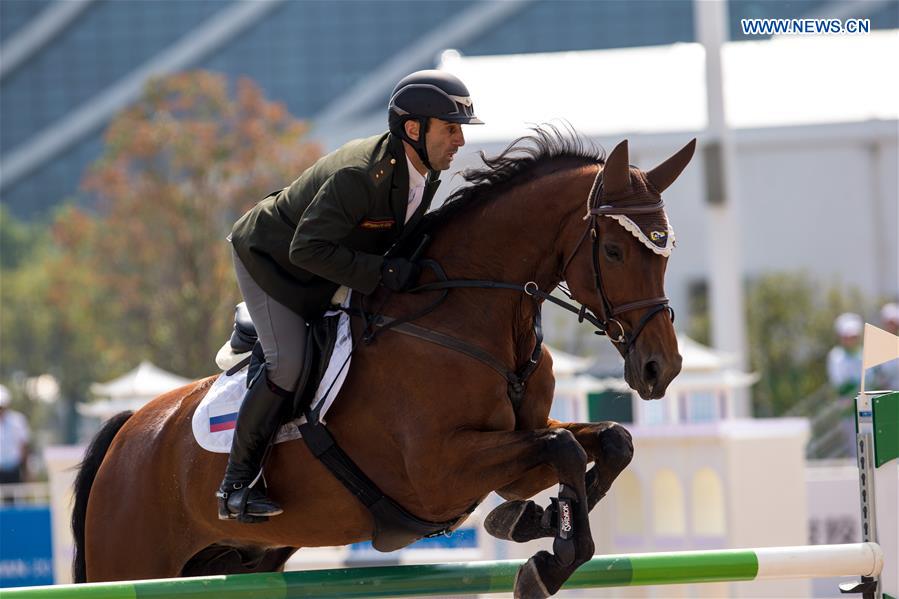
(611, 448)
(482, 461)
(607, 444)
(544, 573)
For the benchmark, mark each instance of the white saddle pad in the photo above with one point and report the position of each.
(216, 416)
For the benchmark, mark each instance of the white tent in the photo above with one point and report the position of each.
(131, 390)
(565, 364)
(704, 367)
(705, 372)
(788, 80)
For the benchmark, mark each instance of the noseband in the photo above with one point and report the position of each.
(595, 209)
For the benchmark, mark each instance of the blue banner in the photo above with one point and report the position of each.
(26, 546)
(463, 538)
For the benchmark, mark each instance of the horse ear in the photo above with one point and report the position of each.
(664, 175)
(616, 175)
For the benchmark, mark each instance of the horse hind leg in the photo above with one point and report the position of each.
(607, 444)
(87, 472)
(219, 559)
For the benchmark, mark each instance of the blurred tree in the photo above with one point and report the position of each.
(148, 274)
(790, 321)
(699, 321)
(180, 167)
(46, 328)
(18, 239)
(790, 327)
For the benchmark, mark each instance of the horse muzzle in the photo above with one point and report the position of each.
(650, 375)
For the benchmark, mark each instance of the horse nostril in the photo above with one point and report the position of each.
(651, 371)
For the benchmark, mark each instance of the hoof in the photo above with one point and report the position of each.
(528, 582)
(517, 521)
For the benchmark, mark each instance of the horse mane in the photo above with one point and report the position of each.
(547, 150)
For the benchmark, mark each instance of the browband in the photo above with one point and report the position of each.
(609, 210)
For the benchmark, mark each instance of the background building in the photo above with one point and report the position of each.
(67, 66)
(815, 140)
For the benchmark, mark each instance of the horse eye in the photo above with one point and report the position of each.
(613, 252)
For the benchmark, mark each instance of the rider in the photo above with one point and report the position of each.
(329, 228)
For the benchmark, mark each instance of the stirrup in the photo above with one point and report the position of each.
(241, 515)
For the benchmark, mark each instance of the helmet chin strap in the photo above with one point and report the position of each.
(420, 146)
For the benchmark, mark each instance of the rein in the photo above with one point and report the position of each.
(603, 325)
(377, 323)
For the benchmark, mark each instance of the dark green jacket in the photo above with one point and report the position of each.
(331, 226)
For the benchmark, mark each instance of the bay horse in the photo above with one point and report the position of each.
(432, 427)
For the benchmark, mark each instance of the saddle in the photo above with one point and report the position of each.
(394, 527)
(244, 350)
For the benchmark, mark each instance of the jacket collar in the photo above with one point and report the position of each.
(431, 184)
(399, 192)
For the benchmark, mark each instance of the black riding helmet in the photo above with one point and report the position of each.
(429, 94)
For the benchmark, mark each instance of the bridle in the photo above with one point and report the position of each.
(603, 325)
(595, 209)
(376, 323)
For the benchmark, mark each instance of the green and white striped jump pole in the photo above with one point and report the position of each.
(877, 448)
(861, 559)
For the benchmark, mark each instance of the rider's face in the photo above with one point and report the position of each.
(443, 140)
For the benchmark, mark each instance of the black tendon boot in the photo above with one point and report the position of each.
(242, 495)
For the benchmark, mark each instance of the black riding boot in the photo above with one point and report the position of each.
(242, 495)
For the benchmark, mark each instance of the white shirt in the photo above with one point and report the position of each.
(844, 367)
(416, 189)
(13, 436)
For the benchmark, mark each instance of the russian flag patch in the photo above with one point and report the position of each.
(225, 422)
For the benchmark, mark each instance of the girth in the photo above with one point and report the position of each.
(394, 526)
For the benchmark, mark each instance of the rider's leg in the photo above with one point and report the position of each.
(258, 420)
(282, 334)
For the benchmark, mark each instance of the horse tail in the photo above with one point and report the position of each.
(87, 471)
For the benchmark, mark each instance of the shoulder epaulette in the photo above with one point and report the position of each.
(382, 170)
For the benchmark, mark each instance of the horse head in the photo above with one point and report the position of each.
(617, 266)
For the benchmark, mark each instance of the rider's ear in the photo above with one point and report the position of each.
(412, 129)
(616, 176)
(664, 175)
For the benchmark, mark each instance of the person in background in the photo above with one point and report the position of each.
(14, 437)
(844, 370)
(844, 361)
(886, 376)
